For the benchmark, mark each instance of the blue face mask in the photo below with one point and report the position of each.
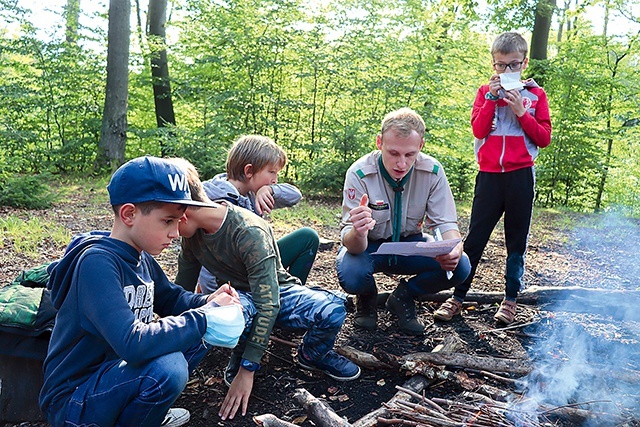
(224, 325)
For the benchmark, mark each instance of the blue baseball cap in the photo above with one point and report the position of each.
(151, 179)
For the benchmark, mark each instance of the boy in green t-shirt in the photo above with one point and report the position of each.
(239, 247)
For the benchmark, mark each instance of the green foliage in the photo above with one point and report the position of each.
(26, 191)
(309, 212)
(30, 236)
(318, 77)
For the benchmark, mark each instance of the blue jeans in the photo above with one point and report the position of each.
(355, 272)
(119, 394)
(319, 312)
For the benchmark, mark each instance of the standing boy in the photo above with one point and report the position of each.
(238, 246)
(510, 126)
(251, 181)
(109, 362)
(387, 195)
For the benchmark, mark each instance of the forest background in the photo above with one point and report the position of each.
(95, 84)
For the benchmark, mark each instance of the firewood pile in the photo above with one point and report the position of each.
(590, 350)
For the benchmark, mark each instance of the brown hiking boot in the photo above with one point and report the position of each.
(402, 305)
(507, 312)
(451, 307)
(366, 314)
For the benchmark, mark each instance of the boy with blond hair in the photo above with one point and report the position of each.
(238, 246)
(251, 181)
(109, 361)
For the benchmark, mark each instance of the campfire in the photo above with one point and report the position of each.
(583, 370)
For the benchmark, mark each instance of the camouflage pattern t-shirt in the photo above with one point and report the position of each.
(244, 253)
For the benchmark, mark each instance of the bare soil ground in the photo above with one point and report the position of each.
(564, 250)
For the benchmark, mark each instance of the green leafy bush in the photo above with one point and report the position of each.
(25, 191)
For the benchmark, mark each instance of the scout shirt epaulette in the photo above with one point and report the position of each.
(428, 164)
(366, 170)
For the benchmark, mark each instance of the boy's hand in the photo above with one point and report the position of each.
(264, 200)
(224, 295)
(514, 99)
(494, 84)
(238, 395)
(361, 217)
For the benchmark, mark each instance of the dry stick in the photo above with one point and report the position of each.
(425, 418)
(571, 405)
(507, 328)
(423, 398)
(422, 409)
(270, 420)
(496, 376)
(282, 341)
(394, 421)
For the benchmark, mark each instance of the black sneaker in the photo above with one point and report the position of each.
(232, 369)
(336, 366)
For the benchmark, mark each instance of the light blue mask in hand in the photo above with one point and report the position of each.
(224, 325)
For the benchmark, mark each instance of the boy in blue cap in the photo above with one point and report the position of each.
(109, 361)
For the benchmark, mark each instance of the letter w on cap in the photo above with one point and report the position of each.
(178, 181)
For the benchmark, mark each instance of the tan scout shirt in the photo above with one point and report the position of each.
(427, 192)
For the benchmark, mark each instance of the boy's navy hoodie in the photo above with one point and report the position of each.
(106, 293)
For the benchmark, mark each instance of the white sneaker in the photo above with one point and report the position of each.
(176, 417)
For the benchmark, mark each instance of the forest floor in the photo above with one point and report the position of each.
(565, 249)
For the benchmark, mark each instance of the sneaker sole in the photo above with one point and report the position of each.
(178, 421)
(446, 318)
(313, 368)
(503, 319)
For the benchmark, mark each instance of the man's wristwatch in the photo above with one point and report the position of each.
(249, 365)
(491, 97)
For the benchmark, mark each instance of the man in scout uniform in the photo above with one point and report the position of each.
(387, 195)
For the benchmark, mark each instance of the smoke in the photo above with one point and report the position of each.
(588, 353)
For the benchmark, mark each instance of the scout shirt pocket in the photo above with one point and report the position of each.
(415, 219)
(381, 213)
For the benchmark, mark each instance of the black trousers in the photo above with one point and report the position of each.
(511, 194)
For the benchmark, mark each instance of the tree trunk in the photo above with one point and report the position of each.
(541, 28)
(540, 38)
(113, 136)
(157, 19)
(72, 15)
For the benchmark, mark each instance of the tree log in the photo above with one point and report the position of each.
(484, 363)
(270, 420)
(318, 411)
(362, 358)
(573, 298)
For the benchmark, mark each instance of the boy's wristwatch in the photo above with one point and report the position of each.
(249, 365)
(491, 97)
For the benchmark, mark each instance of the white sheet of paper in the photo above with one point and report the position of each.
(428, 249)
(510, 81)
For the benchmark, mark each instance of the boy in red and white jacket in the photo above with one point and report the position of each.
(510, 122)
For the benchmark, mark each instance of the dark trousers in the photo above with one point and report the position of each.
(511, 194)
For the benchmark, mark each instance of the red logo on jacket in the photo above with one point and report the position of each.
(351, 193)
